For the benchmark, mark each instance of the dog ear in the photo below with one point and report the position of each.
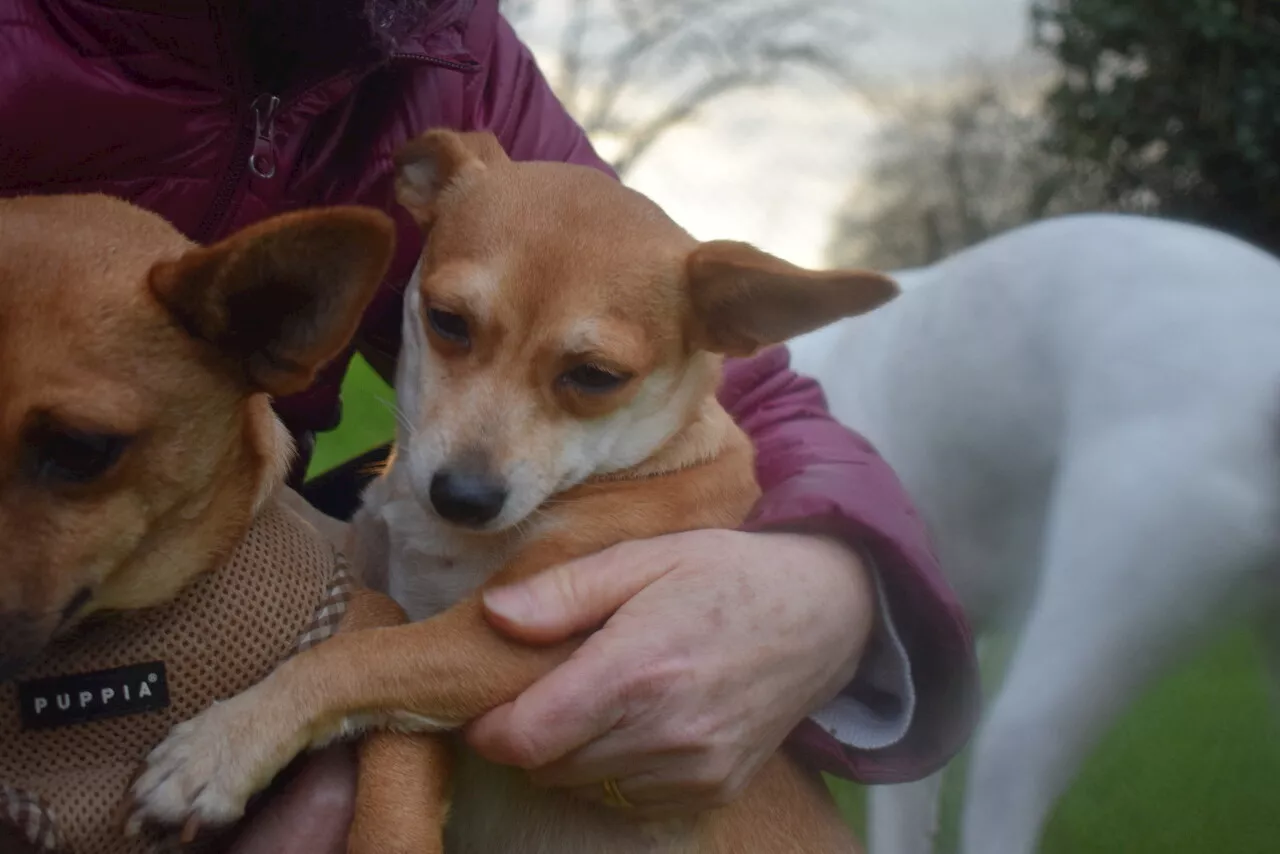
(426, 165)
(745, 299)
(282, 297)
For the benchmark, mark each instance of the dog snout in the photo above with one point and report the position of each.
(22, 637)
(468, 496)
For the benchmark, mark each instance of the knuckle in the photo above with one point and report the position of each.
(625, 551)
(713, 776)
(621, 558)
(734, 785)
(697, 735)
(682, 735)
(569, 586)
(523, 749)
(650, 681)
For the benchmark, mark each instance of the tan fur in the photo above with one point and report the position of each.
(548, 267)
(86, 344)
(402, 796)
(112, 323)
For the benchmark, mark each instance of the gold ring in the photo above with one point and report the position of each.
(613, 795)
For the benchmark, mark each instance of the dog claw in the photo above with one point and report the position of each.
(189, 782)
(190, 830)
(128, 816)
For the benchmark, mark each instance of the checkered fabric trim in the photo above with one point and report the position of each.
(31, 817)
(324, 624)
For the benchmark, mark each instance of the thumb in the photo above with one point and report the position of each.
(575, 596)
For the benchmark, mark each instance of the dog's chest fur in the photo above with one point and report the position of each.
(431, 568)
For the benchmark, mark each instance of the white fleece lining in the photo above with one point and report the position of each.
(885, 668)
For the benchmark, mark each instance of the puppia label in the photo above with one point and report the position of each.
(87, 697)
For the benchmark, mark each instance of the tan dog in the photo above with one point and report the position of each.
(562, 340)
(137, 441)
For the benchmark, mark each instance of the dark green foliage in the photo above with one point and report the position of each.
(1175, 102)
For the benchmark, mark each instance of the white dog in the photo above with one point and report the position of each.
(1087, 413)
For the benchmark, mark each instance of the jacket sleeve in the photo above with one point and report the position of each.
(515, 102)
(914, 701)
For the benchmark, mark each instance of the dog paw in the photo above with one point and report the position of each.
(201, 775)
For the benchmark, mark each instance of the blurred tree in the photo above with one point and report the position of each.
(957, 162)
(1176, 99)
(631, 70)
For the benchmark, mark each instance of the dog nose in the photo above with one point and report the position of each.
(467, 498)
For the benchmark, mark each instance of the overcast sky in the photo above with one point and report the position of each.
(771, 168)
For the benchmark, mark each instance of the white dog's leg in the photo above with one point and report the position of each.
(904, 819)
(1141, 551)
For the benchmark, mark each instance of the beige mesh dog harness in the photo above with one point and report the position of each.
(75, 727)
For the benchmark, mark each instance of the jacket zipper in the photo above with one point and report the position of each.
(256, 150)
(434, 60)
(239, 162)
(262, 160)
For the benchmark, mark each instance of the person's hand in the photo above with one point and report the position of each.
(311, 814)
(721, 643)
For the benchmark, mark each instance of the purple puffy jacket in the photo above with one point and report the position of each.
(216, 115)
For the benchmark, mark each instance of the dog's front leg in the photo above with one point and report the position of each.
(434, 675)
(404, 784)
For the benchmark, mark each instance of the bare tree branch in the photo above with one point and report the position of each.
(621, 64)
(955, 165)
(571, 58)
(961, 130)
(643, 136)
(631, 70)
(516, 11)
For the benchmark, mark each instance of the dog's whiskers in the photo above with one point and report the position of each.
(401, 418)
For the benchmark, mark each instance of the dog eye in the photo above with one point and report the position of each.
(449, 326)
(593, 379)
(72, 456)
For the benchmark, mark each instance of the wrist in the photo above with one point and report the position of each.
(844, 570)
(838, 582)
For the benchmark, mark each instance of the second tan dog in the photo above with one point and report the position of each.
(563, 340)
(151, 564)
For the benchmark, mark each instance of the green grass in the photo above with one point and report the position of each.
(368, 419)
(1194, 767)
